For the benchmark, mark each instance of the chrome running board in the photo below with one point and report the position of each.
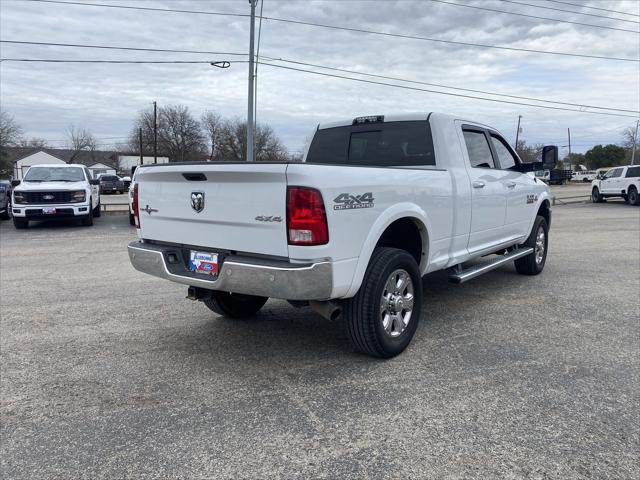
(462, 276)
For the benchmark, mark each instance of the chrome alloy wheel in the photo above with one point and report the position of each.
(540, 245)
(396, 304)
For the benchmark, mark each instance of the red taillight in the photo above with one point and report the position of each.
(134, 205)
(306, 218)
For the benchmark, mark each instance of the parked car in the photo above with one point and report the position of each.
(618, 182)
(5, 199)
(584, 176)
(55, 191)
(126, 181)
(111, 184)
(377, 203)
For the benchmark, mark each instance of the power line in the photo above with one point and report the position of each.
(50, 60)
(450, 42)
(495, 10)
(443, 93)
(593, 8)
(111, 47)
(568, 11)
(149, 9)
(360, 30)
(580, 105)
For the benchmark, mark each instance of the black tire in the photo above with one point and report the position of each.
(97, 211)
(585, 180)
(235, 305)
(529, 265)
(633, 196)
(87, 220)
(132, 219)
(363, 312)
(20, 223)
(596, 197)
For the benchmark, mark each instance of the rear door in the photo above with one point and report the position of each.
(488, 194)
(239, 207)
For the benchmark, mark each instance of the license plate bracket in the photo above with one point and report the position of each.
(204, 263)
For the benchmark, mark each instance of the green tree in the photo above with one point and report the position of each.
(575, 159)
(605, 156)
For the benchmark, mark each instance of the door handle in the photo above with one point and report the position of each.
(511, 184)
(478, 184)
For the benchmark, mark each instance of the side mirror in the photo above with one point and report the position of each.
(549, 157)
(15, 183)
(94, 181)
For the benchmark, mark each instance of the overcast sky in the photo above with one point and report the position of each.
(44, 98)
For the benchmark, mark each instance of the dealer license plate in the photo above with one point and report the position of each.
(205, 263)
(48, 211)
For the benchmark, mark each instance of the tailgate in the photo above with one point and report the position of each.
(240, 207)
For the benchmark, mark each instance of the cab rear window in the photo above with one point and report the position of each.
(392, 144)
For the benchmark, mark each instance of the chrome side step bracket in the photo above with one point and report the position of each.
(458, 275)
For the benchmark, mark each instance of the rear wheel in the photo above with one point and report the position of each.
(633, 196)
(538, 239)
(383, 316)
(596, 197)
(235, 305)
(20, 223)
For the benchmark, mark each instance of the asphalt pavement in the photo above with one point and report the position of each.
(109, 373)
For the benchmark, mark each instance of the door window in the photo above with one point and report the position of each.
(616, 172)
(633, 172)
(506, 159)
(478, 149)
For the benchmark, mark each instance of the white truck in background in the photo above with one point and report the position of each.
(377, 203)
(621, 182)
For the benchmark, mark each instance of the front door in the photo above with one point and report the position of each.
(488, 195)
(521, 198)
(610, 182)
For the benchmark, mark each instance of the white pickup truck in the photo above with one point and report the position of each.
(55, 191)
(377, 203)
(618, 182)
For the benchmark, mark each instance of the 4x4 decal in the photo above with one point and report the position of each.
(346, 201)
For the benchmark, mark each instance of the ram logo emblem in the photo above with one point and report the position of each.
(197, 201)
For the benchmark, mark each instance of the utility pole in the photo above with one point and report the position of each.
(155, 133)
(140, 144)
(635, 142)
(569, 137)
(251, 82)
(517, 133)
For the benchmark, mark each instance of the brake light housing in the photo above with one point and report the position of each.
(134, 206)
(306, 217)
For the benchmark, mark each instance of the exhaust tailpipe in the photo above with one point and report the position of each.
(330, 310)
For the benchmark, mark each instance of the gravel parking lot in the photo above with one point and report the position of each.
(108, 373)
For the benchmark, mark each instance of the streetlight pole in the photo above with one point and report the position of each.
(635, 142)
(518, 132)
(251, 80)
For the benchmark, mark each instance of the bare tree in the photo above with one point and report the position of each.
(79, 139)
(232, 143)
(33, 142)
(179, 134)
(211, 124)
(10, 135)
(529, 153)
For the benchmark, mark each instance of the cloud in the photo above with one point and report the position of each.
(45, 98)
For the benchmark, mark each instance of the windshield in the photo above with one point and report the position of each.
(54, 174)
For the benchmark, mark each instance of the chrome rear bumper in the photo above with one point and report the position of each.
(275, 279)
